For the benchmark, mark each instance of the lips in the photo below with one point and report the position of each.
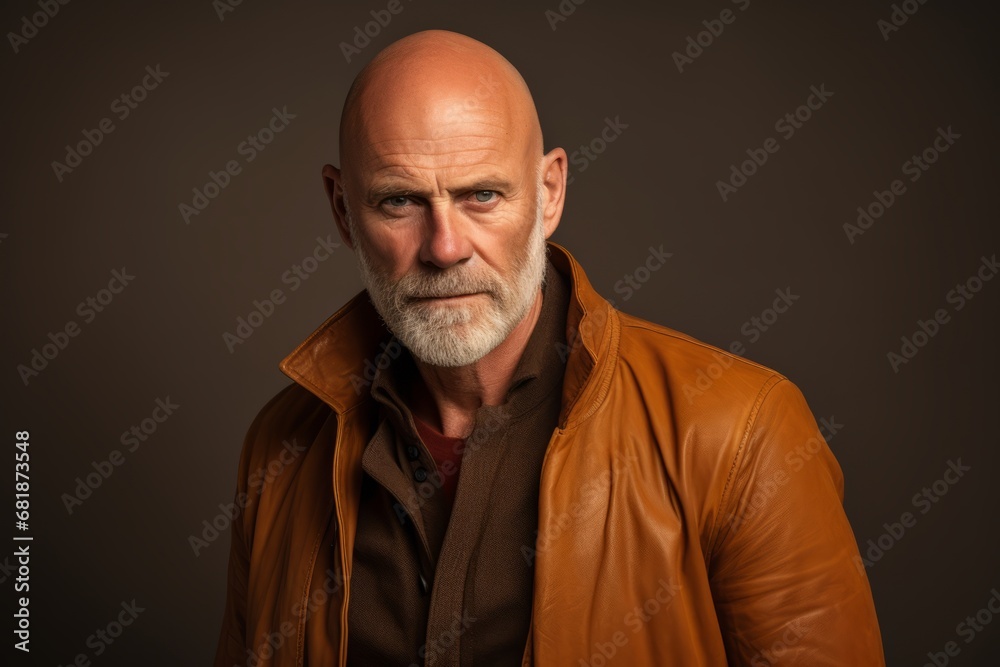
(444, 297)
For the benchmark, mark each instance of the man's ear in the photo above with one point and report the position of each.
(555, 169)
(333, 183)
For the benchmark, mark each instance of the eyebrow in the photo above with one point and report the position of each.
(381, 191)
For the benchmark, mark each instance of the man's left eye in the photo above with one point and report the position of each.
(485, 196)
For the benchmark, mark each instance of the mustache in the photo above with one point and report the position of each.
(444, 285)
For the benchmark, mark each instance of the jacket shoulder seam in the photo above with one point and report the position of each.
(664, 331)
(765, 390)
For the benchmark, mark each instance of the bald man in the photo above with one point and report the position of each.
(481, 462)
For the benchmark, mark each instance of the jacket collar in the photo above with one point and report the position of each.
(337, 362)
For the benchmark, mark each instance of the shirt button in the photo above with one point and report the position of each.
(412, 452)
(420, 474)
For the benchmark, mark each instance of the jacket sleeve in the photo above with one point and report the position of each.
(231, 651)
(786, 574)
(232, 639)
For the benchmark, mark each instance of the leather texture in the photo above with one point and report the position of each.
(690, 511)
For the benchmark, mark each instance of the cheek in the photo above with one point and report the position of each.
(393, 251)
(506, 250)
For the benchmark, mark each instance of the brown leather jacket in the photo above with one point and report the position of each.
(690, 511)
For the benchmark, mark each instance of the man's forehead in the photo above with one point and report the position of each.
(471, 82)
(437, 113)
(434, 154)
(408, 103)
(433, 136)
(485, 146)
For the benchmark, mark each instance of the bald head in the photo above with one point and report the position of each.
(430, 86)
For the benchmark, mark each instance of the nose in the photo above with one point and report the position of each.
(446, 241)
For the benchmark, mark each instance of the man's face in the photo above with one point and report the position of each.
(448, 230)
(456, 331)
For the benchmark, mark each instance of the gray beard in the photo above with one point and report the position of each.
(456, 334)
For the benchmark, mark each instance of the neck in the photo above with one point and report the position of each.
(450, 397)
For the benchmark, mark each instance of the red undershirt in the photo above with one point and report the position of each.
(442, 449)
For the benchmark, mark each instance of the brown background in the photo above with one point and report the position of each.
(162, 336)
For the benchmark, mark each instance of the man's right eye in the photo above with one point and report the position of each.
(397, 201)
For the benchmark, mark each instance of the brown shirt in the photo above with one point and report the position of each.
(429, 590)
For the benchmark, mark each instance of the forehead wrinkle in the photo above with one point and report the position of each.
(429, 161)
(425, 154)
(440, 137)
(427, 146)
(439, 143)
(403, 178)
(430, 121)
